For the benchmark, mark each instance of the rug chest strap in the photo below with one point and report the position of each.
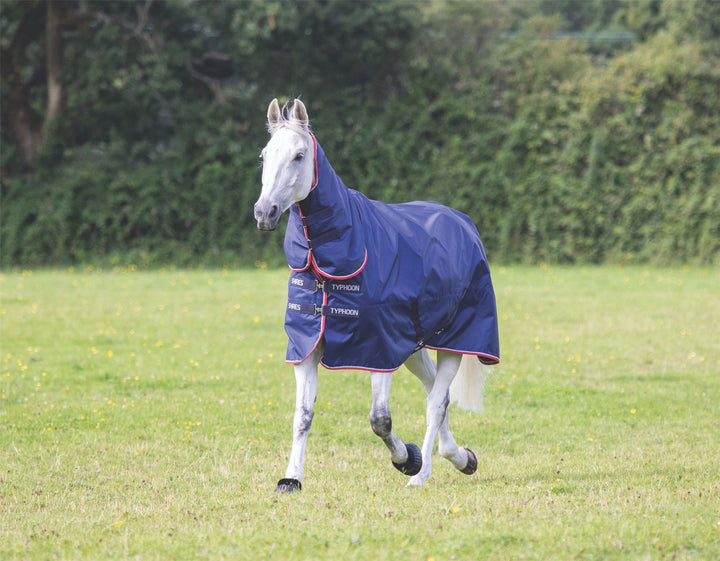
(327, 285)
(313, 310)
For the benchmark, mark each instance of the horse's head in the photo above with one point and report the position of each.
(288, 163)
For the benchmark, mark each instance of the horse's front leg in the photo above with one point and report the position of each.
(405, 457)
(438, 400)
(306, 375)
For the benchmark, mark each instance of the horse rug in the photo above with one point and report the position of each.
(379, 281)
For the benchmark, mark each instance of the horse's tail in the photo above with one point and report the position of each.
(467, 388)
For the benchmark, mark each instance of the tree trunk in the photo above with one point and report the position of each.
(54, 60)
(26, 123)
(30, 128)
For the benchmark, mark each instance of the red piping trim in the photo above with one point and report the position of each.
(495, 359)
(344, 277)
(305, 232)
(305, 268)
(315, 159)
(358, 368)
(322, 331)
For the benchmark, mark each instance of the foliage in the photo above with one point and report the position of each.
(569, 130)
(148, 414)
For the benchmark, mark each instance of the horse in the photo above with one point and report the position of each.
(373, 286)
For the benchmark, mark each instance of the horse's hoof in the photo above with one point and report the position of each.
(471, 466)
(288, 486)
(414, 461)
(417, 481)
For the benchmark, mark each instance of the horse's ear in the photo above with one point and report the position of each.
(300, 113)
(274, 115)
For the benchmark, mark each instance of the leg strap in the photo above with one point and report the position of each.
(414, 461)
(288, 486)
(471, 466)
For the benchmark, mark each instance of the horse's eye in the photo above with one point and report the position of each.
(299, 157)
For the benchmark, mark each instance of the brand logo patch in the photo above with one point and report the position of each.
(350, 287)
(343, 311)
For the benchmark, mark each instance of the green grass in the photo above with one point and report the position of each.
(148, 416)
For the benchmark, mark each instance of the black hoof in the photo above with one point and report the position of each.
(414, 462)
(288, 486)
(471, 466)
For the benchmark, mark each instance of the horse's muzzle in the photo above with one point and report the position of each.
(267, 216)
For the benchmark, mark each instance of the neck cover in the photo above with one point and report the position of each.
(379, 281)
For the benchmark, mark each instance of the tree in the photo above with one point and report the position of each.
(24, 25)
(132, 128)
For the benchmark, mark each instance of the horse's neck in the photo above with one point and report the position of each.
(330, 195)
(322, 232)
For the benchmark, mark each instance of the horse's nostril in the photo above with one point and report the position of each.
(273, 211)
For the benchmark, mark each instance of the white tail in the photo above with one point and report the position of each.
(469, 384)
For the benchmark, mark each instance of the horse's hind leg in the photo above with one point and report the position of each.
(422, 366)
(405, 457)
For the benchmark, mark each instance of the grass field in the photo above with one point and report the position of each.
(147, 415)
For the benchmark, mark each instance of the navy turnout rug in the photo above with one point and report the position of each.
(380, 281)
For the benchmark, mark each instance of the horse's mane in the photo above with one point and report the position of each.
(288, 120)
